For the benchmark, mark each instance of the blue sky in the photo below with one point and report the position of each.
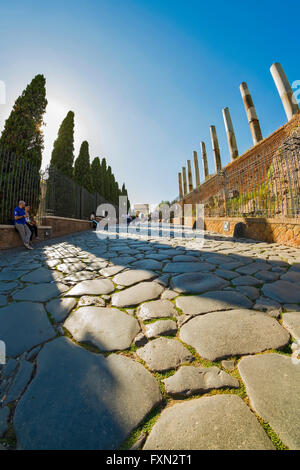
(146, 78)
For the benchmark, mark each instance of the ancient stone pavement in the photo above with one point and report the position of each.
(154, 343)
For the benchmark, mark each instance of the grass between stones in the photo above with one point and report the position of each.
(146, 426)
(153, 320)
(277, 442)
(9, 438)
(88, 346)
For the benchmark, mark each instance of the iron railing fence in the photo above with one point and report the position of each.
(266, 186)
(19, 180)
(48, 193)
(65, 198)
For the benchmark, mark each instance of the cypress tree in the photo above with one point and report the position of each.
(109, 183)
(96, 176)
(104, 178)
(63, 150)
(82, 173)
(22, 134)
(124, 193)
(113, 189)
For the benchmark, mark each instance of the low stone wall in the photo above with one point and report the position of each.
(9, 237)
(284, 231)
(51, 227)
(63, 226)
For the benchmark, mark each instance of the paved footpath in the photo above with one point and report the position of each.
(153, 343)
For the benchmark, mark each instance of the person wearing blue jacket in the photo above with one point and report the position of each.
(20, 224)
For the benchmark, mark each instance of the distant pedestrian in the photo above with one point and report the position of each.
(94, 221)
(20, 224)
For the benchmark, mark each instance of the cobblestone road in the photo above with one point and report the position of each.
(154, 343)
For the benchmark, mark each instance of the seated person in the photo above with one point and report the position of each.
(20, 224)
(31, 223)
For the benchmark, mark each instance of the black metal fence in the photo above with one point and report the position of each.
(64, 198)
(19, 180)
(48, 193)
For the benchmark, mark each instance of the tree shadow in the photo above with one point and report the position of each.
(68, 373)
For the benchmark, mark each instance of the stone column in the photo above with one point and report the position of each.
(230, 134)
(204, 160)
(285, 91)
(180, 186)
(196, 166)
(184, 181)
(215, 146)
(190, 178)
(251, 114)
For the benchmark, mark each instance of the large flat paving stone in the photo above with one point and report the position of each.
(111, 270)
(291, 321)
(291, 276)
(93, 287)
(80, 400)
(80, 276)
(148, 264)
(60, 308)
(188, 267)
(68, 267)
(273, 383)
(4, 414)
(212, 301)
(122, 260)
(24, 325)
(190, 380)
(194, 283)
(156, 309)
(163, 354)
(184, 258)
(20, 381)
(133, 276)
(135, 295)
(3, 300)
(218, 335)
(220, 422)
(41, 293)
(161, 328)
(6, 287)
(41, 275)
(107, 328)
(10, 274)
(282, 291)
(246, 281)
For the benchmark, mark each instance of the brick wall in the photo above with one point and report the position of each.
(283, 231)
(238, 173)
(62, 226)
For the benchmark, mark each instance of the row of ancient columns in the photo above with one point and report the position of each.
(290, 106)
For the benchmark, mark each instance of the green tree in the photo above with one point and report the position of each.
(63, 150)
(124, 193)
(82, 173)
(104, 179)
(109, 183)
(96, 176)
(22, 134)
